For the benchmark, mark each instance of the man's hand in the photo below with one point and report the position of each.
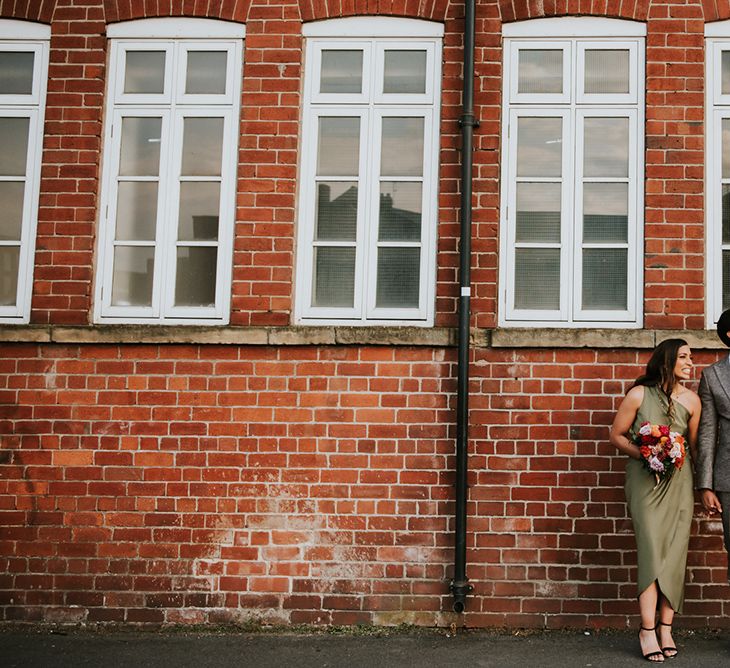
(711, 502)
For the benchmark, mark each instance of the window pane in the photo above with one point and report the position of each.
(725, 148)
(401, 152)
(341, 71)
(538, 212)
(140, 150)
(405, 72)
(604, 278)
(199, 207)
(196, 276)
(206, 72)
(400, 211)
(338, 149)
(145, 72)
(133, 272)
(539, 146)
(540, 71)
(9, 262)
(202, 146)
(537, 278)
(13, 146)
(725, 72)
(726, 213)
(334, 277)
(607, 71)
(399, 277)
(605, 212)
(16, 73)
(336, 211)
(11, 205)
(606, 148)
(136, 211)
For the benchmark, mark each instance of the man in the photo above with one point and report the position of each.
(712, 468)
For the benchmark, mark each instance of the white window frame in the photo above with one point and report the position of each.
(177, 37)
(24, 36)
(373, 35)
(717, 38)
(573, 35)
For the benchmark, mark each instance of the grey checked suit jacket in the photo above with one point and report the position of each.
(712, 468)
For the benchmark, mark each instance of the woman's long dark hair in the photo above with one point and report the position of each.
(660, 369)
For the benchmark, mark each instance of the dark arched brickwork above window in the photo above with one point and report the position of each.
(125, 10)
(313, 10)
(33, 10)
(519, 10)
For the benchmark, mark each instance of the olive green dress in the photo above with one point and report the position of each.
(661, 513)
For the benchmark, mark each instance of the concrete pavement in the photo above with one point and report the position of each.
(43, 647)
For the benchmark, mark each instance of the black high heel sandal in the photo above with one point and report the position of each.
(668, 649)
(650, 655)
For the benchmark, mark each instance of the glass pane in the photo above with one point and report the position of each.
(401, 149)
(605, 212)
(341, 71)
(538, 212)
(9, 262)
(400, 211)
(145, 72)
(196, 276)
(140, 150)
(334, 277)
(202, 147)
(338, 150)
(13, 145)
(16, 72)
(725, 148)
(336, 211)
(726, 213)
(725, 67)
(537, 278)
(206, 72)
(606, 149)
(725, 280)
(607, 71)
(11, 205)
(540, 71)
(399, 277)
(132, 279)
(539, 146)
(405, 72)
(604, 279)
(136, 211)
(199, 207)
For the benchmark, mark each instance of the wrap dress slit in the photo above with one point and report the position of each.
(661, 512)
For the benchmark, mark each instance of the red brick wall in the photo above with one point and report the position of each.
(304, 484)
(196, 483)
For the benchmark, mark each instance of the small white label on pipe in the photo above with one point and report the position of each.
(466, 292)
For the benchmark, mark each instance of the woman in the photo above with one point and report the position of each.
(661, 511)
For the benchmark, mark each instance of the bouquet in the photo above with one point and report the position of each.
(662, 450)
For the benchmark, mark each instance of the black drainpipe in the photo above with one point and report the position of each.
(460, 586)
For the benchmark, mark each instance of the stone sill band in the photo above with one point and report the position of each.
(364, 336)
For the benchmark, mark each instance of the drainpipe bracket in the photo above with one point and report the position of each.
(468, 120)
(459, 591)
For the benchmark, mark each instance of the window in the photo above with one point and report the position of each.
(23, 77)
(718, 168)
(369, 172)
(168, 201)
(572, 173)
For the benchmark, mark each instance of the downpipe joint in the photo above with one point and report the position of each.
(459, 591)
